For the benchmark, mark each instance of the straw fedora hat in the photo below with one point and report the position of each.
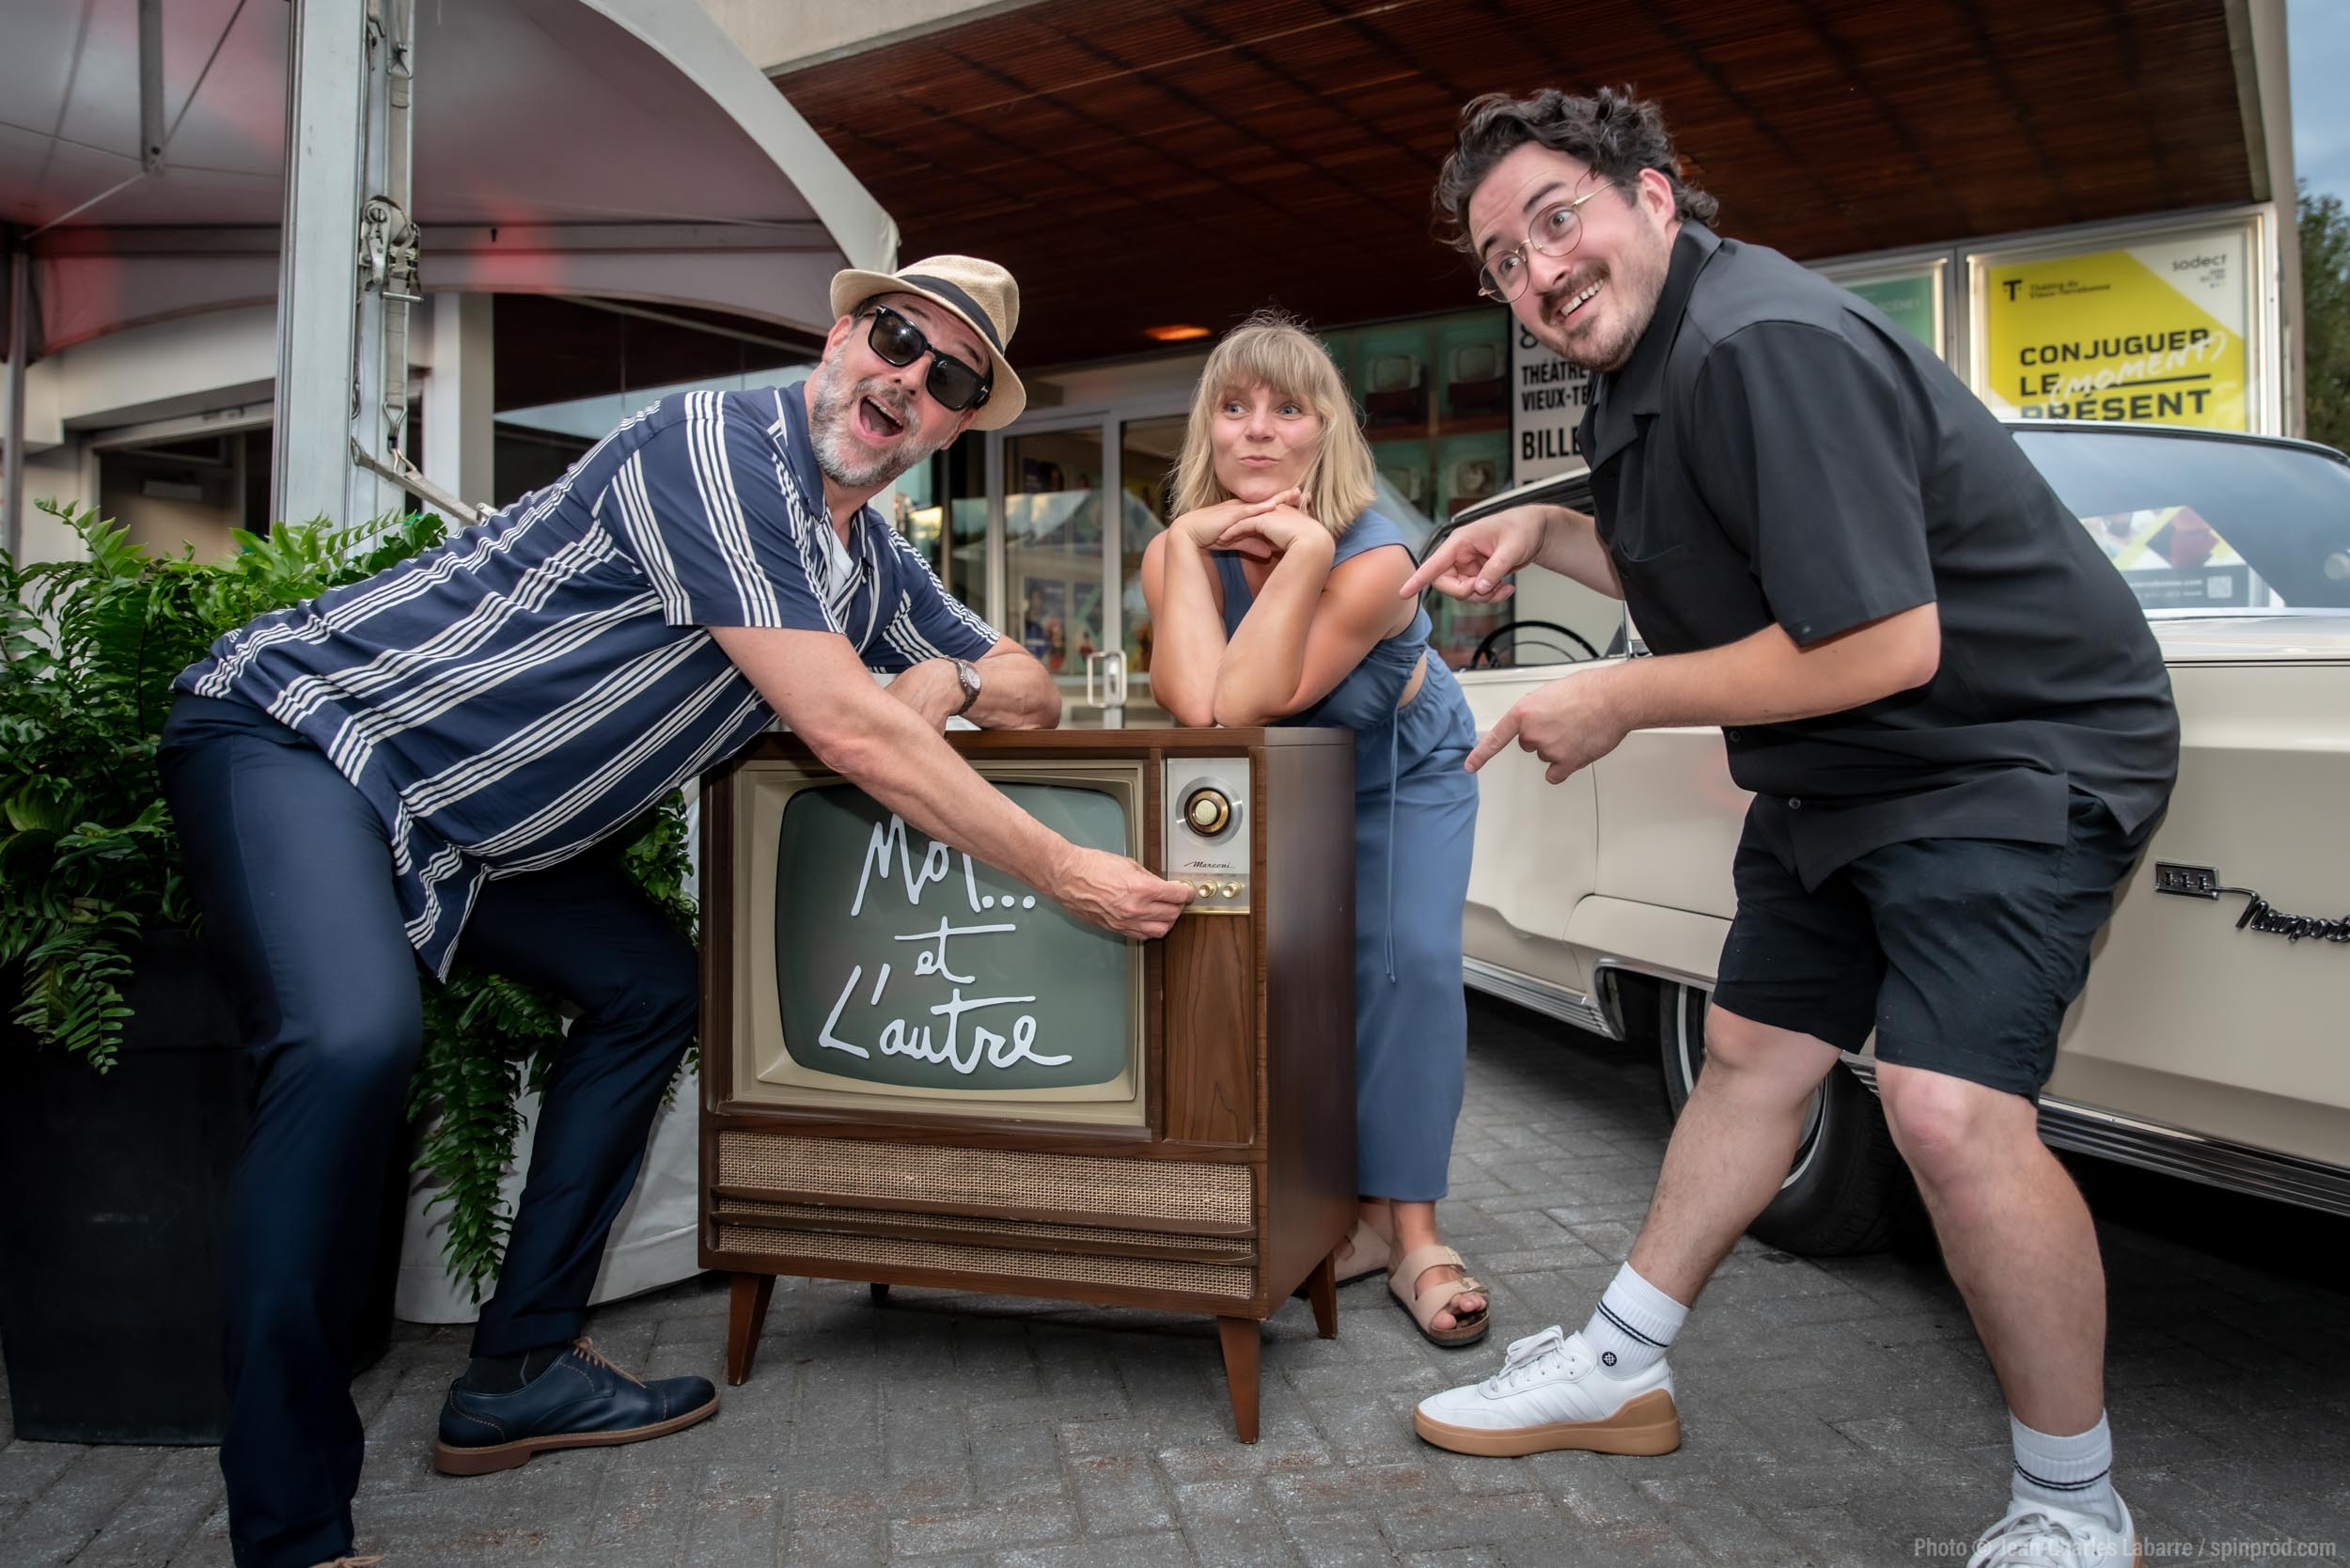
(981, 293)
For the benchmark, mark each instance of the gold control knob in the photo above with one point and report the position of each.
(1208, 810)
(1232, 889)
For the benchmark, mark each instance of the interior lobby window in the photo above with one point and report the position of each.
(1053, 544)
(569, 370)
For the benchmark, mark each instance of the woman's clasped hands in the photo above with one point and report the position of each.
(1263, 529)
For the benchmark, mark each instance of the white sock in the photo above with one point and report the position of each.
(1635, 1324)
(2069, 1472)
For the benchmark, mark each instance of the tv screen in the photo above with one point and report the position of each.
(1393, 373)
(878, 971)
(1477, 362)
(901, 962)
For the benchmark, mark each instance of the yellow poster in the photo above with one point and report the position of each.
(2151, 334)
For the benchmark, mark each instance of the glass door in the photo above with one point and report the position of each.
(962, 560)
(1059, 584)
(1080, 497)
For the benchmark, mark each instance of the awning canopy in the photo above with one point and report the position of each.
(617, 148)
(1140, 163)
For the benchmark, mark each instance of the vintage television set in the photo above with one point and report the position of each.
(1476, 378)
(1469, 480)
(1395, 389)
(917, 1071)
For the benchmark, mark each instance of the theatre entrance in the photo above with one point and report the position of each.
(1047, 539)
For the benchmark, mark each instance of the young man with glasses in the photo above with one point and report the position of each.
(419, 768)
(1956, 725)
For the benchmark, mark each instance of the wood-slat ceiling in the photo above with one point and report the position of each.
(1139, 163)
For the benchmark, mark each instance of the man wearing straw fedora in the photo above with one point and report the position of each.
(418, 769)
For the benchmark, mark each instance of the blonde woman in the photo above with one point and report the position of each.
(1274, 599)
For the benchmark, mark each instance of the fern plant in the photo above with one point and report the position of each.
(89, 650)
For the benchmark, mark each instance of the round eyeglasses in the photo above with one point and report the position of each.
(1557, 230)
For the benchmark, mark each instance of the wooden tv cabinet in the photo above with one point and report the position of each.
(1230, 1198)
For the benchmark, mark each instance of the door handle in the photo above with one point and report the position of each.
(1113, 679)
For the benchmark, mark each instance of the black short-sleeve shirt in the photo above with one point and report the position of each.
(1775, 450)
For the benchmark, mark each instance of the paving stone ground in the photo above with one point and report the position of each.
(1836, 1412)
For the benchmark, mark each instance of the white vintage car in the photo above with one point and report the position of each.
(2211, 1040)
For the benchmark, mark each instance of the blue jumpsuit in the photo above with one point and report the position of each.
(1415, 816)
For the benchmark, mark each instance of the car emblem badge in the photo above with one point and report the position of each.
(2203, 882)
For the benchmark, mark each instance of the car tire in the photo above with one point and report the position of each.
(1848, 1190)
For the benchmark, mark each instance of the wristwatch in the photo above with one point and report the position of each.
(968, 674)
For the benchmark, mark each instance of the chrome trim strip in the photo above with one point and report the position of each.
(1554, 1001)
(1653, 971)
(2177, 1152)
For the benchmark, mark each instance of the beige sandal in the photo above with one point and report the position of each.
(1366, 1253)
(1467, 1328)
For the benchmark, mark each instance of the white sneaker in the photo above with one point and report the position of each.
(2043, 1535)
(1552, 1393)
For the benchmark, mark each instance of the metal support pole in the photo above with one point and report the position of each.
(318, 267)
(387, 263)
(349, 252)
(20, 348)
(151, 133)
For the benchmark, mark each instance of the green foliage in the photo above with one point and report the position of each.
(89, 650)
(2325, 317)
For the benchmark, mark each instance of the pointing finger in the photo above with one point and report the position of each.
(1438, 564)
(1505, 730)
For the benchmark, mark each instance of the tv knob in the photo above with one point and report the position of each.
(1232, 889)
(1208, 810)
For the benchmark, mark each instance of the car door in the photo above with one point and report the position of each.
(1537, 847)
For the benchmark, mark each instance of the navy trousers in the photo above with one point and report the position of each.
(291, 868)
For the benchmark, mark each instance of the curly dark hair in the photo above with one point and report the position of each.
(1613, 134)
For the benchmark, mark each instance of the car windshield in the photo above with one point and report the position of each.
(2197, 524)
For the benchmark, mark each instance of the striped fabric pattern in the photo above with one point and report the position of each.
(542, 679)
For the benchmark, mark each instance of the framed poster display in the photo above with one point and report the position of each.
(2165, 325)
(1910, 296)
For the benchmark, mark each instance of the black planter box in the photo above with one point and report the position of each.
(114, 1226)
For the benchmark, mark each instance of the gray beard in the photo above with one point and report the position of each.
(844, 460)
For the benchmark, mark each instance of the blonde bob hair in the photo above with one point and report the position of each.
(1274, 351)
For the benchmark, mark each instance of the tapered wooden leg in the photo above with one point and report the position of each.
(1322, 1289)
(746, 1314)
(881, 1293)
(1244, 1338)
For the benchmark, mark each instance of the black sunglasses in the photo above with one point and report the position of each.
(954, 385)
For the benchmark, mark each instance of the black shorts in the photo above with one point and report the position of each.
(1962, 955)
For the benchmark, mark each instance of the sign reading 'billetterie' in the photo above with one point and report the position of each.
(1547, 397)
(901, 962)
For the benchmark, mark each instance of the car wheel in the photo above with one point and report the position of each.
(1848, 1190)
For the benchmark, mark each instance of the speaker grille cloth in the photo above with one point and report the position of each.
(852, 1167)
(816, 1213)
(1149, 1274)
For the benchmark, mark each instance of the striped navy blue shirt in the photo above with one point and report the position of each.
(540, 680)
